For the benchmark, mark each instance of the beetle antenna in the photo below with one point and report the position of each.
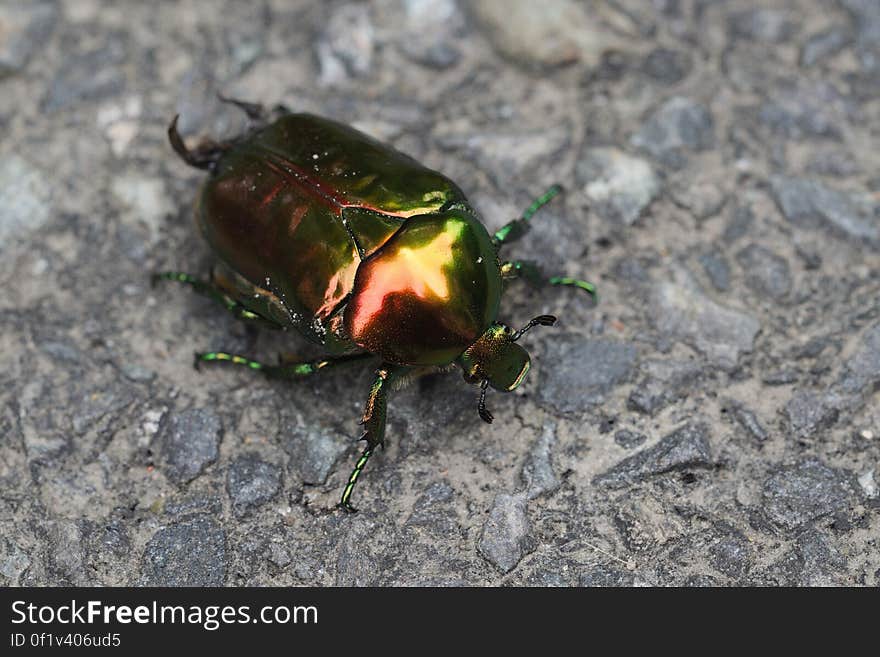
(484, 412)
(540, 320)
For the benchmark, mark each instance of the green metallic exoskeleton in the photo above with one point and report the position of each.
(362, 250)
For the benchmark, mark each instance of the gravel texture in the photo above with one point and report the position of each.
(714, 420)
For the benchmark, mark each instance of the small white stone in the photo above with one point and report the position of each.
(121, 135)
(151, 420)
(866, 481)
(40, 267)
(146, 198)
(624, 185)
(24, 197)
(867, 434)
(120, 122)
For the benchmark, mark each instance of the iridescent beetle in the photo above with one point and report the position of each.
(362, 250)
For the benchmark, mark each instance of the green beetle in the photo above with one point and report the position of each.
(362, 250)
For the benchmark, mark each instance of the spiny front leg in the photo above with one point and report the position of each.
(373, 422)
(484, 413)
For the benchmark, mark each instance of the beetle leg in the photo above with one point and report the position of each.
(530, 273)
(205, 156)
(281, 371)
(512, 231)
(587, 287)
(256, 112)
(215, 293)
(484, 413)
(374, 426)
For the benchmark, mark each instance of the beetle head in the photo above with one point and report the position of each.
(496, 359)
